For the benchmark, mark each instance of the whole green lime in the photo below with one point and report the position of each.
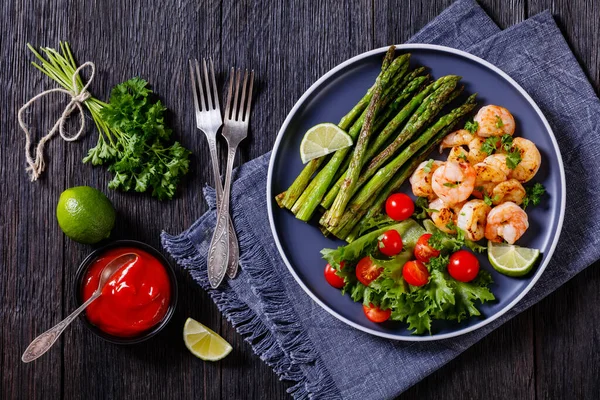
(85, 214)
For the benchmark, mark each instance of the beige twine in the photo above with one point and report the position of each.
(37, 166)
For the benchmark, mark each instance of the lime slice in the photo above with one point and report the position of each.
(321, 140)
(512, 260)
(203, 342)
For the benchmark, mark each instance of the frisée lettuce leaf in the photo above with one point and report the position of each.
(442, 298)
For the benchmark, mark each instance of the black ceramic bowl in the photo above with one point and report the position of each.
(83, 267)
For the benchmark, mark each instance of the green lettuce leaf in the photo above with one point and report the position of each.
(468, 294)
(442, 298)
(409, 230)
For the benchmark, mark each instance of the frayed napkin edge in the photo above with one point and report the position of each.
(293, 360)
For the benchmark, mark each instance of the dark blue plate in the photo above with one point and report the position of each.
(336, 93)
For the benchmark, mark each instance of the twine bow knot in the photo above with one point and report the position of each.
(78, 97)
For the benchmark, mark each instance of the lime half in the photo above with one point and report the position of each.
(203, 342)
(321, 140)
(512, 260)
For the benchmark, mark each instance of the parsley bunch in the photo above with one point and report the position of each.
(136, 146)
(133, 141)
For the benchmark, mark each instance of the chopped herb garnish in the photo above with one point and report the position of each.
(499, 122)
(513, 158)
(451, 184)
(533, 195)
(427, 167)
(490, 200)
(506, 142)
(479, 188)
(463, 157)
(472, 126)
(490, 145)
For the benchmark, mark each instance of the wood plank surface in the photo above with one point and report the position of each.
(287, 55)
(548, 352)
(32, 243)
(153, 40)
(567, 323)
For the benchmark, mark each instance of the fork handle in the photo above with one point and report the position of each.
(234, 250)
(214, 158)
(218, 252)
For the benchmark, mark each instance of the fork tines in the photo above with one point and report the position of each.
(210, 99)
(239, 109)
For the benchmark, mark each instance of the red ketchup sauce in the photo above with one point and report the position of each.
(134, 300)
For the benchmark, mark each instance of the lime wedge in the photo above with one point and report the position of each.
(203, 342)
(512, 260)
(321, 140)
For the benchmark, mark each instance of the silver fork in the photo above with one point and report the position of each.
(208, 120)
(234, 131)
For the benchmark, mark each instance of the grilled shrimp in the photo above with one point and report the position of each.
(498, 160)
(472, 219)
(494, 121)
(444, 214)
(453, 182)
(420, 180)
(486, 174)
(463, 138)
(458, 154)
(510, 190)
(531, 159)
(484, 189)
(507, 221)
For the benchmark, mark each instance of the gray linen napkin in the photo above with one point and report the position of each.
(299, 340)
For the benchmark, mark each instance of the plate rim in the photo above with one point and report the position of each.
(416, 46)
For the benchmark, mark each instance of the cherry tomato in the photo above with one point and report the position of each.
(376, 314)
(415, 273)
(463, 266)
(423, 250)
(399, 206)
(390, 243)
(367, 271)
(333, 278)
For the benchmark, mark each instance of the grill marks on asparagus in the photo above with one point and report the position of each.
(300, 183)
(405, 172)
(382, 138)
(430, 107)
(365, 175)
(347, 120)
(312, 196)
(357, 161)
(427, 110)
(309, 199)
(384, 174)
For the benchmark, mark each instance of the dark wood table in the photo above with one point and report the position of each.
(548, 352)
